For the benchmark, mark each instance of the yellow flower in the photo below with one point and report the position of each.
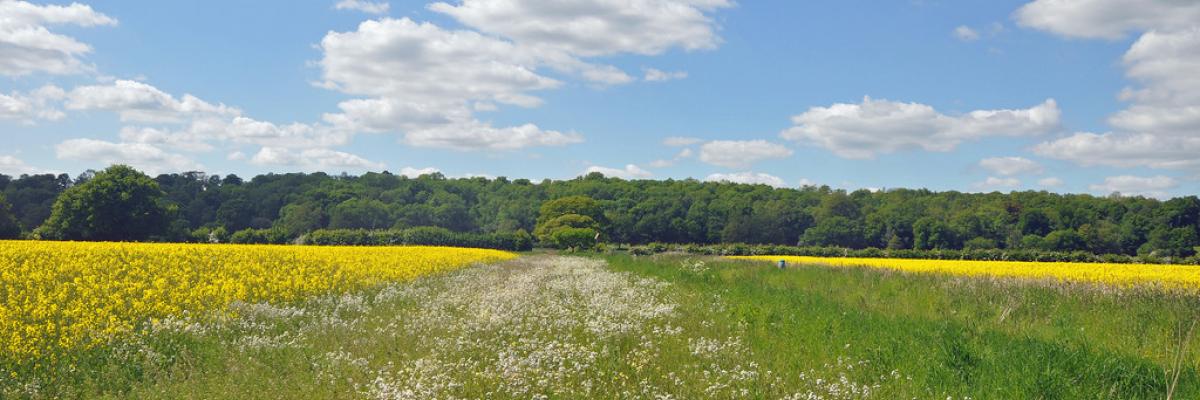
(1172, 277)
(60, 296)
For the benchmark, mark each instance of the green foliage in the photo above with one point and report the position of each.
(1064, 240)
(645, 211)
(259, 236)
(931, 233)
(9, 228)
(360, 214)
(423, 236)
(561, 222)
(574, 238)
(836, 231)
(118, 204)
(298, 219)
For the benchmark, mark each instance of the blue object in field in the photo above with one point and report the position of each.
(782, 264)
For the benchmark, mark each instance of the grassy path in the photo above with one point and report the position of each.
(538, 327)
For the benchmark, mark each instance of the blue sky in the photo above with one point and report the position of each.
(1089, 96)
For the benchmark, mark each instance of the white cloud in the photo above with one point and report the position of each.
(1009, 166)
(741, 154)
(143, 156)
(27, 46)
(881, 126)
(679, 141)
(965, 33)
(446, 65)
(476, 135)
(1155, 186)
(1107, 19)
(994, 183)
(369, 7)
(1158, 129)
(417, 172)
(592, 28)
(139, 102)
(1125, 150)
(629, 172)
(33, 106)
(1051, 182)
(446, 74)
(683, 154)
(13, 166)
(183, 141)
(656, 75)
(318, 159)
(756, 178)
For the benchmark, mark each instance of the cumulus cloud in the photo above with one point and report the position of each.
(1158, 128)
(875, 127)
(994, 183)
(13, 166)
(31, 107)
(1107, 19)
(683, 154)
(591, 28)
(966, 34)
(629, 172)
(318, 159)
(417, 172)
(447, 73)
(1125, 150)
(27, 45)
(369, 7)
(1154, 186)
(741, 154)
(450, 74)
(1009, 166)
(160, 121)
(756, 178)
(1051, 182)
(143, 156)
(140, 102)
(656, 75)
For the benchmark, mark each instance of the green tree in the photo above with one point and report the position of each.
(931, 233)
(1035, 222)
(360, 214)
(1064, 240)
(118, 204)
(298, 219)
(834, 231)
(574, 238)
(9, 228)
(574, 212)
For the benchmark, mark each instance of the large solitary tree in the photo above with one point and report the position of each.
(118, 204)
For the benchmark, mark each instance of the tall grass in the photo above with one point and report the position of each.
(963, 337)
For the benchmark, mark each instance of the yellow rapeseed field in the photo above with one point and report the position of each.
(1174, 277)
(61, 296)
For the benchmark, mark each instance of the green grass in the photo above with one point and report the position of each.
(566, 329)
(958, 336)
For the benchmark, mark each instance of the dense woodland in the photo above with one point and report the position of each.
(196, 207)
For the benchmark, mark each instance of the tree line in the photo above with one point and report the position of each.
(195, 206)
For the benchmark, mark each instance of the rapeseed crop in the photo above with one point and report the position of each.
(58, 297)
(1171, 277)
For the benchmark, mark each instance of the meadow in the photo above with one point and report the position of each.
(425, 323)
